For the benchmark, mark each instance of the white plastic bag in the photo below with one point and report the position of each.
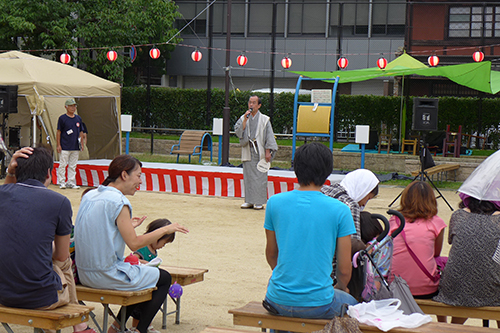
(385, 315)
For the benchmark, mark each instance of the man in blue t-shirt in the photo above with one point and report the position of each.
(35, 228)
(304, 229)
(69, 137)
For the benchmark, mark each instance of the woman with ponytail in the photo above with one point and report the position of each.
(104, 225)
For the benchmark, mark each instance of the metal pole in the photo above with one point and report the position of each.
(209, 68)
(150, 125)
(227, 112)
(273, 57)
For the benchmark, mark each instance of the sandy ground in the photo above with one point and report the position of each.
(226, 240)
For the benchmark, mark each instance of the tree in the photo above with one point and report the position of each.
(37, 25)
(91, 27)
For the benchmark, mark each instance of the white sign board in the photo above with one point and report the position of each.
(321, 96)
(126, 122)
(362, 134)
(217, 126)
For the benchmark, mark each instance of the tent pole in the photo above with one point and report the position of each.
(401, 111)
(34, 131)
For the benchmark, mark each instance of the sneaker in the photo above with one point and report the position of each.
(151, 329)
(69, 185)
(246, 205)
(258, 207)
(63, 186)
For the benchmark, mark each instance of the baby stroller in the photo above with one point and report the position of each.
(367, 262)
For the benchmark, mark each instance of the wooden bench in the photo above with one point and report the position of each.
(437, 308)
(440, 170)
(57, 319)
(253, 314)
(193, 143)
(184, 276)
(106, 297)
(224, 330)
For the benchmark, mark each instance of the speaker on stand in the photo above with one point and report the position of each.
(425, 119)
(8, 104)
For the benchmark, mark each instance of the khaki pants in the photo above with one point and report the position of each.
(68, 292)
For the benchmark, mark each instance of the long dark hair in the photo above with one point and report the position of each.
(118, 165)
(478, 206)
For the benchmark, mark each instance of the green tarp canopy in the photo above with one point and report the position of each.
(478, 75)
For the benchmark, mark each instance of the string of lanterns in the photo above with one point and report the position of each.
(286, 62)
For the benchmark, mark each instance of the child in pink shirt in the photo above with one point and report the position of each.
(424, 233)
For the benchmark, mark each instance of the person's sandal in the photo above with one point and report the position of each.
(87, 330)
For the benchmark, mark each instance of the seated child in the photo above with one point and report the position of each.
(148, 253)
(145, 255)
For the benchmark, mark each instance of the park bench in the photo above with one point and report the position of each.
(183, 275)
(254, 315)
(56, 319)
(107, 297)
(193, 143)
(223, 330)
(440, 170)
(437, 308)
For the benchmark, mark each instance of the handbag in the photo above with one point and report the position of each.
(342, 324)
(442, 261)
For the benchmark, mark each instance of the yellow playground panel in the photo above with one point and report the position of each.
(313, 119)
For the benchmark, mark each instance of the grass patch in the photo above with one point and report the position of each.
(440, 185)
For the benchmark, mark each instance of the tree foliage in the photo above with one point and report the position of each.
(89, 29)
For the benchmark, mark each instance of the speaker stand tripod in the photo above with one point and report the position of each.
(423, 176)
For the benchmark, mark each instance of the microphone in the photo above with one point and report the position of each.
(251, 110)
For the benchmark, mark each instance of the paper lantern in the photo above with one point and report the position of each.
(342, 62)
(112, 55)
(65, 58)
(242, 60)
(433, 60)
(154, 53)
(381, 62)
(478, 56)
(196, 56)
(286, 62)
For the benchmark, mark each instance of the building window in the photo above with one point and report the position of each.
(474, 22)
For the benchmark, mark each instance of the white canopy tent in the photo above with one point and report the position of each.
(44, 86)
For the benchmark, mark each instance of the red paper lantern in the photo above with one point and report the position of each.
(478, 56)
(433, 60)
(65, 58)
(112, 55)
(381, 62)
(154, 53)
(286, 62)
(242, 60)
(196, 56)
(342, 62)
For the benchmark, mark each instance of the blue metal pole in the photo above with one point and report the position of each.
(362, 156)
(332, 116)
(295, 108)
(220, 150)
(126, 142)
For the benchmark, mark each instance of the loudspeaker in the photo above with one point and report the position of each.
(8, 99)
(425, 114)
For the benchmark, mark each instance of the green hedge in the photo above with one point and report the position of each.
(186, 109)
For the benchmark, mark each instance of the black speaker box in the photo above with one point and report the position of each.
(8, 99)
(425, 114)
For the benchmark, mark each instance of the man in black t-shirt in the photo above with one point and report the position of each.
(69, 133)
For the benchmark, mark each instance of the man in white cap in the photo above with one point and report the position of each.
(69, 131)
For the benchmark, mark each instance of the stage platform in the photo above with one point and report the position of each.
(189, 178)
